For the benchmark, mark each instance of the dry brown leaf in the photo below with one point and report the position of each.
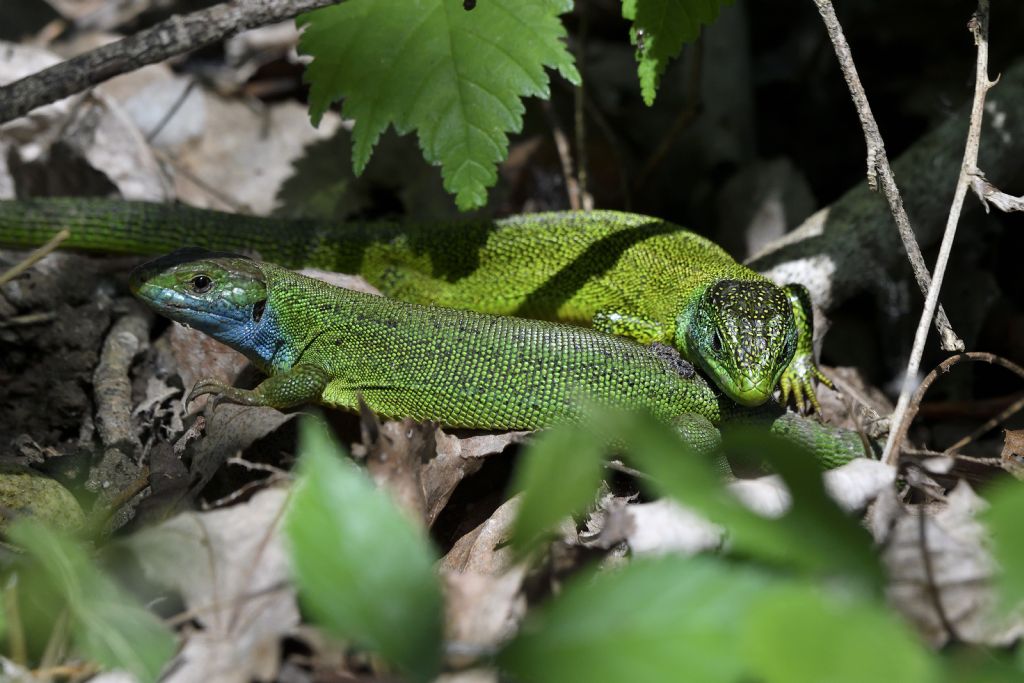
(958, 574)
(484, 550)
(232, 429)
(245, 154)
(231, 568)
(94, 132)
(1012, 457)
(196, 356)
(457, 458)
(664, 526)
(395, 452)
(482, 611)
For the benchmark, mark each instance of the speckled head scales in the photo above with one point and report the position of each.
(753, 316)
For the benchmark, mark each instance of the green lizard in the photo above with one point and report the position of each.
(625, 274)
(320, 343)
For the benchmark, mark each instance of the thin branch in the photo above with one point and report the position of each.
(579, 120)
(899, 432)
(879, 170)
(34, 257)
(989, 425)
(572, 187)
(175, 36)
(979, 27)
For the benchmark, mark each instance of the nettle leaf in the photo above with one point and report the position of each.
(364, 571)
(454, 76)
(660, 28)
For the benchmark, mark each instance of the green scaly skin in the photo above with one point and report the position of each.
(625, 274)
(320, 343)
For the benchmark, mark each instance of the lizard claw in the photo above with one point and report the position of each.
(798, 381)
(209, 386)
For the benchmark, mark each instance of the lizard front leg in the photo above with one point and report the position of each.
(637, 328)
(300, 384)
(798, 377)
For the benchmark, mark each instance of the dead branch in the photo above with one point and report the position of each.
(879, 169)
(175, 36)
(979, 27)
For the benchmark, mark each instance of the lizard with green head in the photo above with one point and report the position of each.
(626, 274)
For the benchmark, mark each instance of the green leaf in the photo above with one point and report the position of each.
(814, 520)
(660, 27)
(108, 626)
(800, 634)
(814, 536)
(657, 620)
(558, 476)
(454, 76)
(364, 571)
(1003, 518)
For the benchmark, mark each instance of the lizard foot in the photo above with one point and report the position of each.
(798, 381)
(300, 384)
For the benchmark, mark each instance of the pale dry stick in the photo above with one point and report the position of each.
(572, 187)
(579, 120)
(34, 257)
(979, 27)
(989, 425)
(879, 169)
(169, 38)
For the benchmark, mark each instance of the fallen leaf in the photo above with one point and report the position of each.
(958, 575)
(231, 569)
(484, 550)
(1012, 457)
(457, 458)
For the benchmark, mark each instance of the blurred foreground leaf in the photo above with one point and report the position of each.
(364, 571)
(1004, 518)
(655, 620)
(800, 634)
(108, 626)
(815, 535)
(559, 476)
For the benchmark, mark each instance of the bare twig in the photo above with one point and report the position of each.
(34, 257)
(572, 187)
(579, 122)
(879, 169)
(899, 432)
(172, 37)
(979, 27)
(989, 425)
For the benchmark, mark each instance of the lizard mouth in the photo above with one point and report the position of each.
(164, 300)
(749, 393)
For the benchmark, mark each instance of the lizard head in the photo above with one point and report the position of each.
(221, 294)
(743, 335)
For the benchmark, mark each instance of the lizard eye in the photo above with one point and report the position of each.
(716, 342)
(201, 284)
